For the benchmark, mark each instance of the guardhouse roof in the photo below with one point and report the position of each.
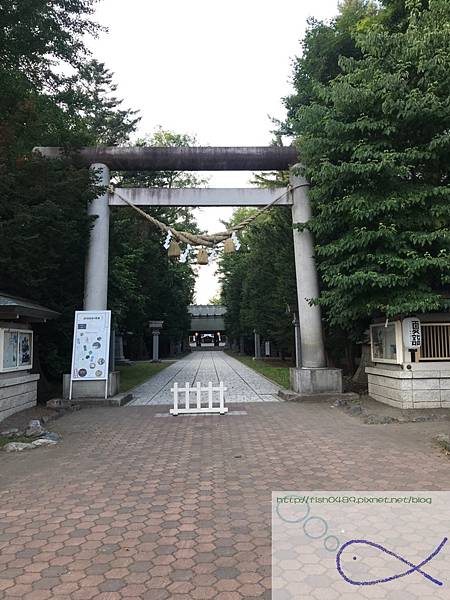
(15, 308)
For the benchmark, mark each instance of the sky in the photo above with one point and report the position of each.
(213, 69)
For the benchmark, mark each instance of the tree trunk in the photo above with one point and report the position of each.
(360, 375)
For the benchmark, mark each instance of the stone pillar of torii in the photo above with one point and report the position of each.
(313, 376)
(96, 270)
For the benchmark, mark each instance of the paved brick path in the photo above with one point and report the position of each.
(132, 506)
(242, 383)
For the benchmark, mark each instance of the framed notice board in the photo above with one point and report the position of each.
(16, 350)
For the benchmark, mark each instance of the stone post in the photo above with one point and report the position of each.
(297, 341)
(155, 356)
(155, 326)
(313, 376)
(96, 271)
(257, 344)
(119, 348)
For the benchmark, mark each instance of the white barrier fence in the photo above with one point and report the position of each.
(200, 405)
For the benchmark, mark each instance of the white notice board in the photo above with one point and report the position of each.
(90, 353)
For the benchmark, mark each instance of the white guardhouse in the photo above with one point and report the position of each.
(18, 383)
(408, 378)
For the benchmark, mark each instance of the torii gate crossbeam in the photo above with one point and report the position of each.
(206, 158)
(195, 197)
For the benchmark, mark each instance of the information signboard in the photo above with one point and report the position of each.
(90, 354)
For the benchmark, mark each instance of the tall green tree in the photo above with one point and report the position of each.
(321, 49)
(258, 281)
(36, 35)
(89, 97)
(375, 146)
(232, 270)
(44, 228)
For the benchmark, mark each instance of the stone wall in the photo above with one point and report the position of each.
(418, 388)
(17, 392)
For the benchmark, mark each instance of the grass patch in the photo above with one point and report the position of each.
(133, 375)
(6, 439)
(276, 371)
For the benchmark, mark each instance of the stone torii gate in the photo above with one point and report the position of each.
(313, 376)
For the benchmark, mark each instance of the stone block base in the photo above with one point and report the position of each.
(307, 381)
(92, 389)
(17, 392)
(410, 388)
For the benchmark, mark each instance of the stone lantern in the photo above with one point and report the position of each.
(156, 327)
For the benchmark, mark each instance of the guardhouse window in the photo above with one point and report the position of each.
(16, 350)
(385, 342)
(435, 342)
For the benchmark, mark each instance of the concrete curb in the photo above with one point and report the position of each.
(117, 400)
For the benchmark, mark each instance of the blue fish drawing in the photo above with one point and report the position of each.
(412, 568)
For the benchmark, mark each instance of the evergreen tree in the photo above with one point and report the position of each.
(375, 146)
(37, 35)
(43, 223)
(258, 281)
(44, 227)
(322, 47)
(89, 99)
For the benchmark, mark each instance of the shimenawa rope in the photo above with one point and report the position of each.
(195, 239)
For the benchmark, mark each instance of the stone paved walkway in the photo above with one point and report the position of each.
(132, 506)
(242, 383)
